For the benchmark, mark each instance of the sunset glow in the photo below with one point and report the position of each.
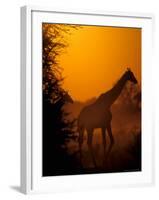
(96, 57)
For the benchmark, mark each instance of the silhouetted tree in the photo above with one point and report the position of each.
(57, 130)
(129, 96)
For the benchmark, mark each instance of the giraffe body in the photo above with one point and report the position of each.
(92, 116)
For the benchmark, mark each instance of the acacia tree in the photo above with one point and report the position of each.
(129, 94)
(56, 129)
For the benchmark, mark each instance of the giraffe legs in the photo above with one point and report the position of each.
(111, 139)
(104, 140)
(89, 142)
(80, 142)
(90, 146)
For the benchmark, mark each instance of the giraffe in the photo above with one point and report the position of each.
(98, 115)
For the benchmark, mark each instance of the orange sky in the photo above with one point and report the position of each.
(96, 58)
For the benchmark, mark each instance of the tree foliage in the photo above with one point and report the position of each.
(130, 96)
(56, 128)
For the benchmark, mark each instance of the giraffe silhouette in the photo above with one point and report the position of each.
(98, 115)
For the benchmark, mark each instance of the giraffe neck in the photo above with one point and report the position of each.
(117, 89)
(108, 98)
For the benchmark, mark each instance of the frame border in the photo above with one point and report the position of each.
(26, 82)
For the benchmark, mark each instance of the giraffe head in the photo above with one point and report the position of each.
(130, 76)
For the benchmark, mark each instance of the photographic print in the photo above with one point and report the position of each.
(91, 106)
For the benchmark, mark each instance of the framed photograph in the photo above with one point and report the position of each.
(86, 100)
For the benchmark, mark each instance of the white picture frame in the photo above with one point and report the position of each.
(31, 106)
